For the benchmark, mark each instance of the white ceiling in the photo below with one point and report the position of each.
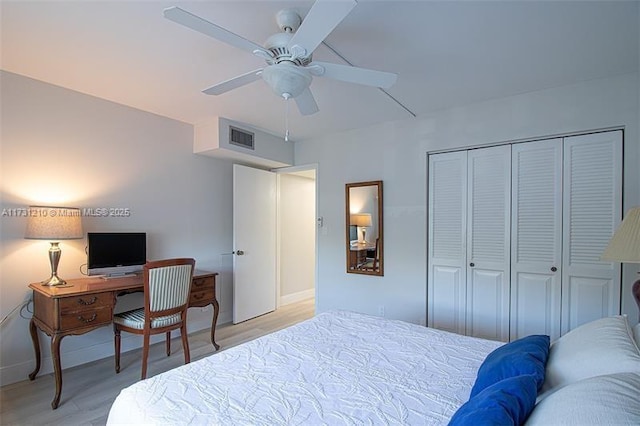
(446, 54)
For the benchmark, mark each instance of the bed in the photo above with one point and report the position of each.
(348, 368)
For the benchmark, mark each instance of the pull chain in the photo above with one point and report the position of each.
(286, 97)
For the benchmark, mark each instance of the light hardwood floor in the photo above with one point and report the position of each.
(89, 390)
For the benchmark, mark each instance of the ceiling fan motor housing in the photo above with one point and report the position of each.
(277, 44)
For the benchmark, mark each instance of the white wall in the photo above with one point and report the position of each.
(395, 152)
(297, 254)
(64, 148)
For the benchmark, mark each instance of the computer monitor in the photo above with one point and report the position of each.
(116, 253)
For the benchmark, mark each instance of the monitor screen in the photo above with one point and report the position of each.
(353, 233)
(116, 252)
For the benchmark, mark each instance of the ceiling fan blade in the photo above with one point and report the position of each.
(323, 17)
(203, 26)
(356, 75)
(306, 102)
(233, 83)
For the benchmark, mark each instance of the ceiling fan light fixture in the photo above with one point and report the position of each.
(285, 78)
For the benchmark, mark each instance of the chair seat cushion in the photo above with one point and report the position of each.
(135, 319)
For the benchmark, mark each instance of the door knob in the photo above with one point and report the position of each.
(553, 269)
(239, 252)
(472, 264)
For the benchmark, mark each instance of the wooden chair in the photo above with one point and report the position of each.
(167, 284)
(371, 264)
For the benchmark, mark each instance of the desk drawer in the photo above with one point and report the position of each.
(86, 302)
(87, 318)
(201, 296)
(202, 283)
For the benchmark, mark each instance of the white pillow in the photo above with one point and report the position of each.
(603, 346)
(602, 400)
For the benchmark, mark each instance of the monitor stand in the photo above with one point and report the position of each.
(119, 275)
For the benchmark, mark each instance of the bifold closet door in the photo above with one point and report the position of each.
(447, 230)
(592, 209)
(488, 242)
(516, 233)
(536, 238)
(469, 217)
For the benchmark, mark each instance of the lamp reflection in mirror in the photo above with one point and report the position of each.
(362, 220)
(53, 224)
(625, 244)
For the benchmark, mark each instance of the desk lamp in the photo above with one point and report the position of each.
(362, 220)
(53, 224)
(625, 244)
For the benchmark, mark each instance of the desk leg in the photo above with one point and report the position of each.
(55, 355)
(36, 347)
(216, 309)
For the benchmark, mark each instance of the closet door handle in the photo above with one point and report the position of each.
(472, 264)
(554, 269)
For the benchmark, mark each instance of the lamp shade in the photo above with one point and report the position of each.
(361, 219)
(53, 223)
(625, 243)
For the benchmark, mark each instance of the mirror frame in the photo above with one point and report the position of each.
(350, 270)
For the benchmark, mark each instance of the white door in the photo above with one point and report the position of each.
(536, 238)
(254, 242)
(592, 210)
(488, 247)
(447, 275)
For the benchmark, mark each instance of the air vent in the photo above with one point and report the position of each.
(241, 138)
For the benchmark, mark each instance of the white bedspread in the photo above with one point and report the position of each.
(336, 368)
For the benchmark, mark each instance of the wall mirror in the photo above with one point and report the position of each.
(364, 228)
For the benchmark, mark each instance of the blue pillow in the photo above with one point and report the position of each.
(523, 356)
(508, 402)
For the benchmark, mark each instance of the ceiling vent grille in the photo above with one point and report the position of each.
(241, 138)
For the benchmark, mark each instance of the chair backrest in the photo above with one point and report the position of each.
(372, 263)
(376, 258)
(167, 284)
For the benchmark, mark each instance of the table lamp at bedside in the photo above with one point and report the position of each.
(625, 244)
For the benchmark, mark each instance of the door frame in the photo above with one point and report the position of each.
(295, 170)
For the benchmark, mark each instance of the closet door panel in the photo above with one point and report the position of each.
(488, 253)
(536, 238)
(488, 304)
(592, 209)
(447, 241)
(447, 294)
(589, 298)
(534, 308)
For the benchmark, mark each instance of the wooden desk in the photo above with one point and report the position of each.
(358, 254)
(88, 303)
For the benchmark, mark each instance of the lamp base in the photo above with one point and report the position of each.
(54, 258)
(55, 280)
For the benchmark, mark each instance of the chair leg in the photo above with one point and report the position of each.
(185, 343)
(168, 343)
(145, 355)
(116, 336)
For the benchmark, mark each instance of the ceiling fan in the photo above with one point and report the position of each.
(288, 54)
